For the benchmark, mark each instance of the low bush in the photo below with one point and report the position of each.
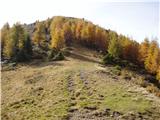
(59, 56)
(118, 67)
(142, 82)
(54, 55)
(66, 51)
(39, 53)
(108, 59)
(153, 89)
(21, 56)
(51, 54)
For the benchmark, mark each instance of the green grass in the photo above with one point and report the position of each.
(119, 100)
(54, 100)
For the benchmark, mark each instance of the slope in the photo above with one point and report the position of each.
(78, 88)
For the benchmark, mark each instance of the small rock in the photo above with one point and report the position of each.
(116, 114)
(91, 107)
(100, 95)
(73, 103)
(127, 78)
(73, 98)
(77, 93)
(72, 109)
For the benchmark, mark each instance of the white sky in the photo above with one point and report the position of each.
(137, 20)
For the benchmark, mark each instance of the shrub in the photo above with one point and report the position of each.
(116, 70)
(142, 82)
(123, 63)
(59, 56)
(118, 67)
(51, 54)
(9, 66)
(66, 51)
(108, 59)
(39, 53)
(152, 88)
(158, 74)
(21, 56)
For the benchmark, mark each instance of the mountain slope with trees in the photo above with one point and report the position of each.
(58, 32)
(77, 88)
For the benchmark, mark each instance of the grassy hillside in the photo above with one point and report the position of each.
(77, 88)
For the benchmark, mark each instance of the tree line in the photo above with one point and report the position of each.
(58, 32)
(15, 43)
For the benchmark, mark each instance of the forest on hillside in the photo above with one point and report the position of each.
(46, 39)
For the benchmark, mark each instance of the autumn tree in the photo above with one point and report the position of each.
(57, 40)
(78, 29)
(67, 33)
(39, 35)
(57, 34)
(47, 24)
(105, 40)
(153, 57)
(129, 49)
(143, 51)
(8, 49)
(158, 74)
(99, 43)
(14, 42)
(114, 47)
(15, 47)
(4, 37)
(28, 45)
(84, 35)
(90, 35)
(73, 29)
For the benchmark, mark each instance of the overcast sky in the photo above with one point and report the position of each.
(138, 19)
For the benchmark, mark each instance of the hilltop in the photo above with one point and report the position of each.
(69, 68)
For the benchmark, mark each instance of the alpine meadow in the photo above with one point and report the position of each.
(68, 68)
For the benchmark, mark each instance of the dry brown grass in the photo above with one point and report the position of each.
(76, 88)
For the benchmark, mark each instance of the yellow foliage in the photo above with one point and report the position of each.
(39, 36)
(158, 74)
(143, 51)
(57, 40)
(153, 58)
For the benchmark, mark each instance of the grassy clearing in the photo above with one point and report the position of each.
(121, 101)
(48, 91)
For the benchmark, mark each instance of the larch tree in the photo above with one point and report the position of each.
(57, 34)
(114, 48)
(15, 46)
(90, 30)
(28, 44)
(4, 37)
(84, 36)
(18, 36)
(105, 40)
(143, 51)
(39, 36)
(79, 27)
(67, 32)
(158, 74)
(153, 57)
(57, 40)
(12, 45)
(98, 37)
